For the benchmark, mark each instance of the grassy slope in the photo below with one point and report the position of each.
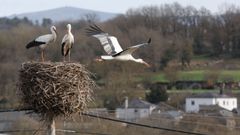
(199, 75)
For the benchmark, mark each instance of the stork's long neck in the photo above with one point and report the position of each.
(69, 31)
(54, 34)
(136, 60)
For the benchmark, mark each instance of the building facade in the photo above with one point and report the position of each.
(134, 110)
(193, 103)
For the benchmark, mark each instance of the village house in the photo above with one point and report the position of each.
(135, 109)
(193, 103)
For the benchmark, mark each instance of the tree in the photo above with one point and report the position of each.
(157, 94)
(91, 18)
(185, 53)
(46, 22)
(168, 55)
(110, 103)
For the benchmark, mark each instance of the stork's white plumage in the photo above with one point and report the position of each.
(67, 42)
(43, 41)
(113, 48)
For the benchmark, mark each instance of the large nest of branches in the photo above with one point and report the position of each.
(55, 89)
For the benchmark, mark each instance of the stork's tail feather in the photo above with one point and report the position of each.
(33, 44)
(64, 53)
(149, 40)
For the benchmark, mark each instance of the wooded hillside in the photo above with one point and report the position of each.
(178, 34)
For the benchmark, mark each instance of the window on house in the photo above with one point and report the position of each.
(193, 103)
(223, 102)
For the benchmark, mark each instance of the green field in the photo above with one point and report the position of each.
(200, 75)
(199, 91)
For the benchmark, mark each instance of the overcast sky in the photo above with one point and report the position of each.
(10, 7)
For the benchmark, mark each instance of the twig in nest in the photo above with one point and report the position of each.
(55, 89)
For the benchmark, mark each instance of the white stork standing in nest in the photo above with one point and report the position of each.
(43, 41)
(67, 43)
(113, 48)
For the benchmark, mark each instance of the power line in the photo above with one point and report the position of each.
(57, 130)
(79, 132)
(190, 122)
(15, 110)
(211, 116)
(198, 115)
(13, 131)
(122, 121)
(113, 111)
(144, 125)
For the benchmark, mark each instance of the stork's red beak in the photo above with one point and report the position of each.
(98, 60)
(146, 64)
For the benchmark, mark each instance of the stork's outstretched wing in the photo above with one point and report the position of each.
(131, 49)
(110, 43)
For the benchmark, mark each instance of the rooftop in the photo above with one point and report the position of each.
(138, 103)
(210, 95)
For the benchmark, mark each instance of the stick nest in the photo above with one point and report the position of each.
(55, 89)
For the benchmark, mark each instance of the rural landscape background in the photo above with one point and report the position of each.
(188, 44)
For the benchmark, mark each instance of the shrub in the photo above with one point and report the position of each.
(157, 94)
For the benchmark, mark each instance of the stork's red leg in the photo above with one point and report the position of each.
(42, 55)
(69, 55)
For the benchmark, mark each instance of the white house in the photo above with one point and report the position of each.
(134, 110)
(193, 103)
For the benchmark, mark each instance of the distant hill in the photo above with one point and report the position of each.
(65, 13)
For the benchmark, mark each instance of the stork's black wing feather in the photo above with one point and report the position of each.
(64, 52)
(93, 30)
(34, 43)
(63, 48)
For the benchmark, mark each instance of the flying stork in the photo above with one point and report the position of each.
(113, 48)
(67, 43)
(43, 41)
